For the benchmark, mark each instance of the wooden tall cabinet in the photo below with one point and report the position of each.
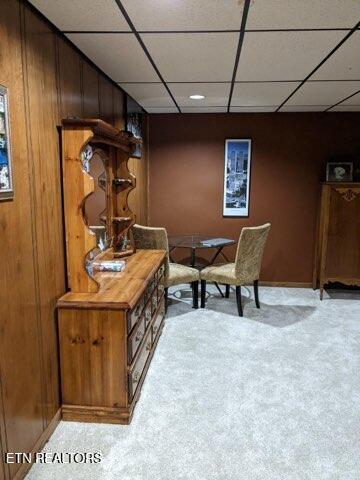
(337, 256)
(109, 321)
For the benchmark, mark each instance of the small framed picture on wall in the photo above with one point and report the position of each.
(237, 177)
(6, 184)
(339, 172)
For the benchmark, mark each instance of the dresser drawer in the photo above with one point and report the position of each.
(154, 302)
(134, 340)
(160, 288)
(147, 314)
(136, 372)
(149, 289)
(135, 314)
(160, 273)
(158, 321)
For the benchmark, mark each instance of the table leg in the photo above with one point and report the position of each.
(224, 256)
(218, 251)
(170, 257)
(193, 250)
(217, 286)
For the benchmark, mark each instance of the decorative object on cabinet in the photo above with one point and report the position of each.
(339, 172)
(337, 254)
(246, 268)
(85, 142)
(6, 184)
(134, 121)
(237, 177)
(175, 273)
(107, 339)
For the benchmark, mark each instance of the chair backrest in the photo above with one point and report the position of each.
(151, 238)
(250, 251)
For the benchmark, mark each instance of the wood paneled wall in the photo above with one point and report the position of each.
(47, 80)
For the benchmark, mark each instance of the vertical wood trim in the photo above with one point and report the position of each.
(3, 440)
(318, 241)
(57, 79)
(82, 87)
(98, 82)
(148, 172)
(324, 232)
(148, 169)
(31, 168)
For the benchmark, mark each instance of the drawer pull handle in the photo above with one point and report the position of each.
(136, 377)
(139, 336)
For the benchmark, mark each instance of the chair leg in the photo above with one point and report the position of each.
(256, 293)
(166, 299)
(195, 290)
(203, 293)
(227, 291)
(238, 300)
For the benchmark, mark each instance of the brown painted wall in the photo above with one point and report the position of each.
(47, 80)
(289, 153)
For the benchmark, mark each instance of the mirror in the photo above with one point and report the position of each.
(95, 209)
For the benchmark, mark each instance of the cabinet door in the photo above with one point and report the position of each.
(343, 253)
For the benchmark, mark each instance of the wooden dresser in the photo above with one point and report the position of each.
(337, 256)
(107, 340)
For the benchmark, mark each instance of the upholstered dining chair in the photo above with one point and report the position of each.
(246, 268)
(175, 274)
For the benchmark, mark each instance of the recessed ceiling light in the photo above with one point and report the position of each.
(197, 97)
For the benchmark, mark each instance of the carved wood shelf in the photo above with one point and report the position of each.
(115, 147)
(122, 183)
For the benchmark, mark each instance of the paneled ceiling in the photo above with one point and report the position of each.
(241, 55)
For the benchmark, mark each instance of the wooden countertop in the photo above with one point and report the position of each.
(119, 290)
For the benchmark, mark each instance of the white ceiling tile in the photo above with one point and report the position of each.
(82, 14)
(256, 109)
(355, 100)
(193, 57)
(346, 108)
(162, 110)
(184, 14)
(304, 108)
(263, 94)
(284, 55)
(323, 93)
(204, 109)
(119, 56)
(149, 94)
(216, 94)
(276, 14)
(344, 64)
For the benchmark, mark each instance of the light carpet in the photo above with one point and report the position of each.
(274, 395)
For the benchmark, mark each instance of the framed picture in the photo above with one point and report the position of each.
(339, 172)
(6, 185)
(134, 120)
(237, 177)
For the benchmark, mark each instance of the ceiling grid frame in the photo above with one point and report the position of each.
(347, 36)
(257, 24)
(146, 51)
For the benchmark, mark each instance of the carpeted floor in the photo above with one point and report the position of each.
(271, 396)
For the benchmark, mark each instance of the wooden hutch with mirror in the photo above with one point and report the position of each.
(111, 318)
